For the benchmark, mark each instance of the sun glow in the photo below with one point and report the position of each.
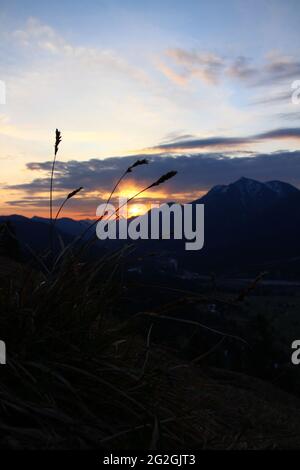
(134, 210)
(130, 188)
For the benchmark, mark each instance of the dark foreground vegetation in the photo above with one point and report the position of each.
(81, 375)
(97, 360)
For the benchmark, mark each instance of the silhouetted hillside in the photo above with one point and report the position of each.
(249, 226)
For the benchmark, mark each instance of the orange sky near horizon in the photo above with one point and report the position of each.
(74, 208)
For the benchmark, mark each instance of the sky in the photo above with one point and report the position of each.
(202, 88)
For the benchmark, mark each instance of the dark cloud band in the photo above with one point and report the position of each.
(196, 173)
(228, 142)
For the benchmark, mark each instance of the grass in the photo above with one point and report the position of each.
(76, 376)
(80, 375)
(71, 379)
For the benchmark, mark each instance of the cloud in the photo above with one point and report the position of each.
(196, 174)
(242, 69)
(175, 136)
(227, 142)
(180, 79)
(100, 97)
(206, 66)
(271, 97)
(280, 66)
(85, 206)
(181, 65)
(285, 133)
(40, 36)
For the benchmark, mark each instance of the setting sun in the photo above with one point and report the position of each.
(134, 210)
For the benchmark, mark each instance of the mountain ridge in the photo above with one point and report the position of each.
(247, 223)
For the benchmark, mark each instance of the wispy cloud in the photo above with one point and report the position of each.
(227, 142)
(273, 97)
(182, 65)
(37, 35)
(194, 64)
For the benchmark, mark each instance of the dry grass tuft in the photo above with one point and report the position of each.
(78, 377)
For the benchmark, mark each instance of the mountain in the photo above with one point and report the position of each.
(250, 223)
(67, 225)
(33, 234)
(239, 204)
(248, 195)
(249, 226)
(282, 189)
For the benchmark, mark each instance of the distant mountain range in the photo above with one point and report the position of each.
(67, 225)
(249, 225)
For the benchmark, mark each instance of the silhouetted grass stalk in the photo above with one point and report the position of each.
(158, 182)
(129, 170)
(69, 196)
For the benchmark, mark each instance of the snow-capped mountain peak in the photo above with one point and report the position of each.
(280, 188)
